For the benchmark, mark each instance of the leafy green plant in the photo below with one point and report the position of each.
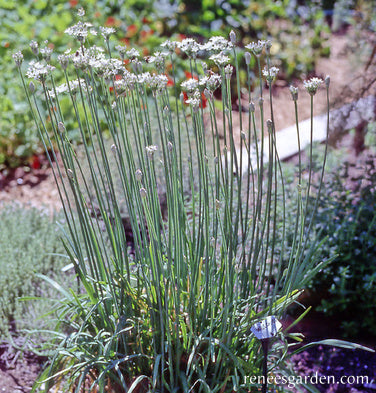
(24, 253)
(347, 216)
(167, 302)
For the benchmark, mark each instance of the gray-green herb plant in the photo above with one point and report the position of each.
(170, 290)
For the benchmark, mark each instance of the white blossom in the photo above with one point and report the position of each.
(217, 44)
(18, 58)
(34, 47)
(80, 30)
(190, 85)
(270, 74)
(211, 82)
(158, 58)
(46, 53)
(190, 47)
(169, 45)
(257, 47)
(106, 31)
(38, 70)
(150, 150)
(132, 53)
(220, 59)
(312, 85)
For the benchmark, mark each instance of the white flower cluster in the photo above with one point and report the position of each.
(220, 59)
(211, 82)
(312, 85)
(190, 85)
(38, 70)
(127, 82)
(133, 53)
(190, 47)
(71, 87)
(217, 44)
(46, 53)
(194, 100)
(80, 30)
(156, 82)
(270, 74)
(158, 59)
(257, 47)
(18, 58)
(106, 31)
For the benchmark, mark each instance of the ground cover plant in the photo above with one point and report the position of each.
(347, 217)
(144, 24)
(23, 255)
(187, 295)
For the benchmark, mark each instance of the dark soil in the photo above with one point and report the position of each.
(18, 370)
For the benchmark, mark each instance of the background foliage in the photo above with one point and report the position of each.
(298, 34)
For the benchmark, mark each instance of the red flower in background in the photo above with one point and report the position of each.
(35, 162)
(132, 30)
(73, 3)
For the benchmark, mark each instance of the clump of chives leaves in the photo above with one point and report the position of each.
(168, 299)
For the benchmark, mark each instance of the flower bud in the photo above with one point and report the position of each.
(143, 192)
(61, 127)
(138, 175)
(70, 174)
(247, 57)
(31, 87)
(327, 81)
(232, 36)
(114, 148)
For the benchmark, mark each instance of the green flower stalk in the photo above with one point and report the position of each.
(176, 218)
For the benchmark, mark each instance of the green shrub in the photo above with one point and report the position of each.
(28, 240)
(348, 218)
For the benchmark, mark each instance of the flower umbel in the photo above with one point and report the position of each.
(312, 85)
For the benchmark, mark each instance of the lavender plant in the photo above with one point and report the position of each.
(170, 292)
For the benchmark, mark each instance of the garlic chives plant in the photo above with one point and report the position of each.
(178, 247)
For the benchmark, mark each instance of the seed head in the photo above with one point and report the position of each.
(269, 124)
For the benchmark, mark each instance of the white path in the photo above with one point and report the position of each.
(340, 120)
